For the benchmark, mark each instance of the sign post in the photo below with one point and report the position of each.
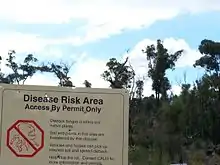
(63, 126)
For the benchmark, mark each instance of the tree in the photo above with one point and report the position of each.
(211, 56)
(159, 62)
(61, 71)
(21, 71)
(210, 61)
(87, 84)
(139, 88)
(119, 75)
(208, 88)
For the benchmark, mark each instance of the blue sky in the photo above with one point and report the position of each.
(91, 33)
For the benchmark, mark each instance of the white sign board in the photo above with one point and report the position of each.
(63, 126)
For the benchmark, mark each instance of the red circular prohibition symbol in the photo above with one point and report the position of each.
(25, 138)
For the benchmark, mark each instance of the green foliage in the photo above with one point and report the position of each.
(139, 88)
(172, 129)
(119, 75)
(211, 58)
(61, 71)
(20, 72)
(159, 62)
(87, 84)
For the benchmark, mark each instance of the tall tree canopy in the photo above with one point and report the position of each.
(159, 62)
(119, 75)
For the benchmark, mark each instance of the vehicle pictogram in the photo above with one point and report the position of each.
(25, 138)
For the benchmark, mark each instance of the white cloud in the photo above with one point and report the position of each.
(23, 43)
(89, 69)
(19, 42)
(31, 43)
(176, 89)
(42, 79)
(103, 18)
(97, 11)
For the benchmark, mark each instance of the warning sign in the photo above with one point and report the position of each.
(25, 138)
(63, 126)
